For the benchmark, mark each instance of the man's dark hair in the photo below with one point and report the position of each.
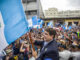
(51, 31)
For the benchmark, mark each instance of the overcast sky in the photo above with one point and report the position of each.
(61, 4)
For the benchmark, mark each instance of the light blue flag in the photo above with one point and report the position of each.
(50, 24)
(14, 20)
(70, 28)
(35, 23)
(34, 20)
(30, 23)
(43, 30)
(63, 27)
(40, 23)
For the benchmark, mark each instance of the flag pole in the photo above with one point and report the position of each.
(31, 40)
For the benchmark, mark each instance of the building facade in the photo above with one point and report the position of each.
(32, 8)
(53, 12)
(69, 17)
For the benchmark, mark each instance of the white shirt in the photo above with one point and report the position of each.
(45, 43)
(64, 55)
(76, 55)
(32, 58)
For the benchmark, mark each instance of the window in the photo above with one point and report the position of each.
(76, 23)
(69, 23)
(32, 12)
(61, 22)
(28, 1)
(50, 13)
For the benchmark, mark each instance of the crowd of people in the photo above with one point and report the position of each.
(68, 42)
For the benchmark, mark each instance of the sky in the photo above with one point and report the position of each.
(61, 4)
